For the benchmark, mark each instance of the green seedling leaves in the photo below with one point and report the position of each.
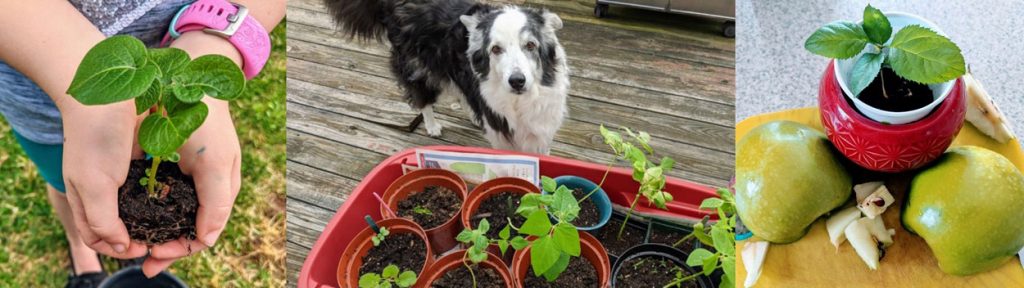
(567, 238)
(406, 279)
(565, 208)
(529, 203)
(537, 224)
(547, 183)
(722, 237)
(189, 119)
(390, 271)
(543, 254)
(711, 203)
(556, 269)
(158, 136)
(213, 75)
(519, 243)
(724, 240)
(876, 25)
(391, 276)
(114, 70)
(921, 55)
(379, 237)
(865, 70)
(697, 257)
(149, 98)
(369, 280)
(170, 61)
(837, 40)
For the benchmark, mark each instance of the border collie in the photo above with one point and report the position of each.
(505, 60)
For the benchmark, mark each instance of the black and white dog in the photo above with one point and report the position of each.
(506, 61)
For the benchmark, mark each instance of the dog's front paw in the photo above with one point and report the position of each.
(433, 129)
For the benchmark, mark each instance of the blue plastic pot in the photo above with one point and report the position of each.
(600, 198)
(133, 277)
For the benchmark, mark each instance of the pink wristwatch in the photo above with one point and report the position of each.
(228, 20)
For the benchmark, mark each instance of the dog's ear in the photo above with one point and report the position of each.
(552, 20)
(470, 21)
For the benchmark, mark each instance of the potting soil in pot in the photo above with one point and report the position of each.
(900, 94)
(460, 278)
(497, 210)
(431, 207)
(608, 235)
(589, 214)
(168, 216)
(405, 250)
(669, 237)
(579, 274)
(651, 271)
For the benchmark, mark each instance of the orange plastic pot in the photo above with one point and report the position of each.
(590, 249)
(352, 256)
(454, 260)
(491, 188)
(442, 238)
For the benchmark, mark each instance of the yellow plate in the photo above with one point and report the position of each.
(814, 262)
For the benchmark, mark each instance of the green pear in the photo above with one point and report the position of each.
(969, 207)
(787, 175)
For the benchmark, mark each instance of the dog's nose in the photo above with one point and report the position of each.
(517, 81)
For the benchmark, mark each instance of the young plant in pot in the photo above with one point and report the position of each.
(476, 253)
(649, 175)
(721, 235)
(595, 207)
(157, 202)
(889, 81)
(395, 242)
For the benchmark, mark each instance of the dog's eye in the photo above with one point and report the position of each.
(530, 46)
(496, 50)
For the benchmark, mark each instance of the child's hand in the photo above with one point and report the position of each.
(98, 144)
(212, 157)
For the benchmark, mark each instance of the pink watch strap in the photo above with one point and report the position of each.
(232, 22)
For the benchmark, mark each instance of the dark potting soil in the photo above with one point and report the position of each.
(461, 278)
(903, 95)
(580, 273)
(431, 207)
(497, 210)
(589, 214)
(169, 216)
(608, 235)
(669, 237)
(651, 271)
(405, 250)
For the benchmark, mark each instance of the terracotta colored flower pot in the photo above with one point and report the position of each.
(590, 249)
(491, 188)
(352, 256)
(454, 260)
(442, 238)
(889, 148)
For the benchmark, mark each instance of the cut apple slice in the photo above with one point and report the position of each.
(877, 229)
(983, 113)
(876, 203)
(838, 222)
(753, 258)
(862, 242)
(864, 189)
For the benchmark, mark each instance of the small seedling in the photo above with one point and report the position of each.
(388, 278)
(477, 241)
(554, 243)
(163, 81)
(422, 210)
(722, 236)
(379, 237)
(651, 176)
(677, 282)
(916, 53)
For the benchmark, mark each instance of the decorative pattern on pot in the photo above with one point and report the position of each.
(888, 148)
(442, 236)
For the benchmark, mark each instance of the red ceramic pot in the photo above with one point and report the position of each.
(491, 188)
(352, 256)
(889, 148)
(442, 238)
(590, 249)
(454, 260)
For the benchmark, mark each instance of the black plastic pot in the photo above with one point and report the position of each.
(132, 277)
(675, 255)
(632, 223)
(658, 226)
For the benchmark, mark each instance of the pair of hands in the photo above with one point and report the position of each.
(100, 142)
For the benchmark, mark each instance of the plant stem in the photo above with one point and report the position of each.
(684, 279)
(151, 186)
(471, 274)
(884, 94)
(628, 213)
(682, 240)
(606, 171)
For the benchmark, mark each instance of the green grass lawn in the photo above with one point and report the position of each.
(250, 253)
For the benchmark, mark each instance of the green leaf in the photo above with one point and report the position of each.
(114, 70)
(710, 264)
(529, 203)
(567, 238)
(170, 61)
(478, 257)
(519, 243)
(729, 267)
(484, 225)
(369, 280)
(711, 203)
(667, 163)
(149, 98)
(189, 119)
(838, 40)
(725, 242)
(921, 55)
(726, 283)
(385, 284)
(537, 224)
(552, 273)
(698, 231)
(543, 255)
(158, 136)
(864, 71)
(390, 271)
(213, 75)
(502, 246)
(565, 207)
(697, 257)
(505, 232)
(465, 236)
(406, 279)
(876, 25)
(548, 183)
(174, 157)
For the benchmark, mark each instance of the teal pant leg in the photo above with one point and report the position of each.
(48, 158)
